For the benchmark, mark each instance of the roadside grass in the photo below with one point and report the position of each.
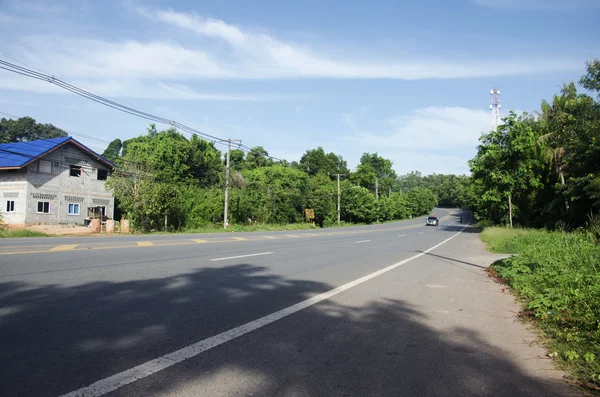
(12, 233)
(270, 227)
(557, 277)
(250, 228)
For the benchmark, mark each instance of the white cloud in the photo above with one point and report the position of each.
(259, 55)
(247, 55)
(430, 127)
(431, 139)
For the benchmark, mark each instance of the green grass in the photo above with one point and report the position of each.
(557, 275)
(251, 228)
(269, 227)
(12, 233)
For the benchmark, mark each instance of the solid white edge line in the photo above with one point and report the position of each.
(148, 368)
(362, 241)
(240, 256)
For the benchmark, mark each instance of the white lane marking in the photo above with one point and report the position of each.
(151, 367)
(420, 232)
(402, 235)
(362, 241)
(240, 256)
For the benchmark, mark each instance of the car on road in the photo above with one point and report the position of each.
(432, 221)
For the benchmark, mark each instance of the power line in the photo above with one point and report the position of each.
(11, 67)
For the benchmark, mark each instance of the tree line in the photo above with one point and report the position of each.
(542, 169)
(165, 178)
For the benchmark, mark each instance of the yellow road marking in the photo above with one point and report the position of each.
(101, 246)
(66, 247)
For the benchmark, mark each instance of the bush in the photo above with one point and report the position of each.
(558, 276)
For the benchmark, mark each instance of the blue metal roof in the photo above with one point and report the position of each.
(19, 154)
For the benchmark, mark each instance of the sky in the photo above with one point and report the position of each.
(409, 80)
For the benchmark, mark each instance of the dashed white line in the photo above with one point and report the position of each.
(402, 235)
(362, 241)
(240, 256)
(151, 367)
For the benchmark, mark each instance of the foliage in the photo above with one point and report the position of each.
(316, 161)
(373, 172)
(547, 164)
(113, 151)
(27, 129)
(164, 174)
(558, 276)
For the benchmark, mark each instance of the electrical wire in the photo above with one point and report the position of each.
(11, 67)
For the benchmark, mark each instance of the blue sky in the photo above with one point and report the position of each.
(409, 80)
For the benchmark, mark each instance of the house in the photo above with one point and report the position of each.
(52, 181)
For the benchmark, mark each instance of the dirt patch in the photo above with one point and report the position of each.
(61, 230)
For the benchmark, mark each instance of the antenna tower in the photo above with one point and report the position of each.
(495, 108)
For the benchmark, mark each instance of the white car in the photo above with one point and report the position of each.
(432, 221)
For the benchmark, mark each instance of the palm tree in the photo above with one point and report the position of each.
(554, 118)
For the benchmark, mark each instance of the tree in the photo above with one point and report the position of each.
(236, 159)
(509, 169)
(357, 203)
(113, 151)
(205, 162)
(375, 173)
(257, 157)
(274, 194)
(322, 198)
(316, 161)
(144, 201)
(27, 129)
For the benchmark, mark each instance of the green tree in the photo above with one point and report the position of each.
(274, 194)
(509, 168)
(27, 129)
(258, 157)
(113, 151)
(375, 173)
(357, 203)
(322, 198)
(316, 161)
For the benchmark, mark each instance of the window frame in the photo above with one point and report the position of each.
(43, 207)
(75, 205)
(104, 172)
(49, 163)
(75, 168)
(8, 206)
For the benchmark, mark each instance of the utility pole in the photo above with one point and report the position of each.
(376, 187)
(339, 197)
(510, 210)
(227, 168)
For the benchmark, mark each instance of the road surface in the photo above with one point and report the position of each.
(387, 310)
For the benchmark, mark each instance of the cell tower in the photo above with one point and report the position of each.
(495, 108)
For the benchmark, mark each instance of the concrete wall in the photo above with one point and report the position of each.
(13, 187)
(60, 189)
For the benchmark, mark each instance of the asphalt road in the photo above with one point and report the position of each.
(227, 315)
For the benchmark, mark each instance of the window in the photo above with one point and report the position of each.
(73, 209)
(75, 171)
(43, 207)
(102, 175)
(10, 206)
(45, 166)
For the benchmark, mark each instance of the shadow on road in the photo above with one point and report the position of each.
(57, 339)
(446, 258)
